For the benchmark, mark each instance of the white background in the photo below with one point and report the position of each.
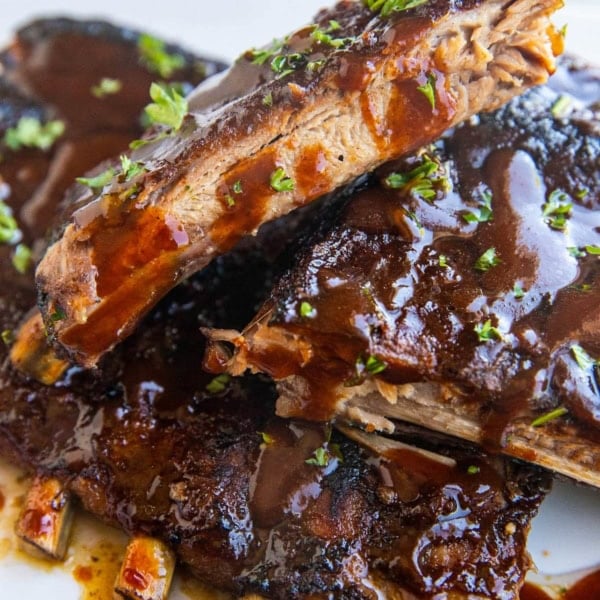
(565, 536)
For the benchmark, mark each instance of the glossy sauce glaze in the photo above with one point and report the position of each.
(251, 119)
(154, 445)
(412, 280)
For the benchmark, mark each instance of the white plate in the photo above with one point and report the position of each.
(565, 535)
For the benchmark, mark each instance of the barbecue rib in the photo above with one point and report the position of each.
(465, 299)
(287, 124)
(153, 445)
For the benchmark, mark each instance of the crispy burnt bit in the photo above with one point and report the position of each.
(446, 277)
(287, 124)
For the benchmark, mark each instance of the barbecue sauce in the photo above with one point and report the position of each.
(403, 277)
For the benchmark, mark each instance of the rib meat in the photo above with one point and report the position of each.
(466, 299)
(324, 105)
(149, 448)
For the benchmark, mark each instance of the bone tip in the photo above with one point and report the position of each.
(146, 572)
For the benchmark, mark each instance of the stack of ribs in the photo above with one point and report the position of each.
(249, 355)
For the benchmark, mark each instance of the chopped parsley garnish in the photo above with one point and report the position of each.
(582, 193)
(9, 228)
(473, 470)
(218, 384)
(518, 291)
(486, 332)
(260, 57)
(280, 182)
(557, 210)
(99, 181)
(594, 250)
(285, 64)
(266, 438)
(560, 107)
(130, 168)
(8, 337)
(374, 366)
(323, 36)
(418, 181)
(156, 58)
(169, 107)
(443, 261)
(485, 210)
(487, 260)
(428, 90)
(58, 315)
(307, 311)
(30, 133)
(386, 7)
(106, 87)
(21, 258)
(325, 454)
(582, 287)
(268, 99)
(237, 187)
(575, 252)
(582, 358)
(550, 416)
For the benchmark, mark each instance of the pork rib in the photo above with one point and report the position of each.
(305, 116)
(465, 299)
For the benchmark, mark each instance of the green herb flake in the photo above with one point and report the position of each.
(280, 182)
(99, 181)
(557, 210)
(285, 64)
(21, 258)
(518, 291)
(487, 260)
(58, 315)
(30, 133)
(268, 99)
(8, 337)
(473, 470)
(420, 181)
(374, 366)
(428, 90)
(307, 311)
(131, 169)
(486, 332)
(237, 187)
(593, 250)
(322, 456)
(218, 384)
(169, 107)
(266, 438)
(156, 58)
(485, 214)
(575, 252)
(9, 228)
(261, 56)
(323, 36)
(582, 358)
(550, 416)
(560, 107)
(443, 261)
(386, 7)
(230, 200)
(106, 87)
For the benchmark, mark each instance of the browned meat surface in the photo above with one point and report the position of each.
(476, 281)
(147, 447)
(286, 125)
(40, 69)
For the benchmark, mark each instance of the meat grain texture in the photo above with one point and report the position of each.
(319, 108)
